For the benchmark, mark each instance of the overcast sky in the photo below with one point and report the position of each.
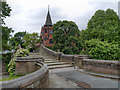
(30, 15)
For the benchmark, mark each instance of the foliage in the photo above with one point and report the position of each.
(103, 26)
(30, 40)
(6, 9)
(12, 76)
(5, 37)
(65, 37)
(101, 38)
(17, 39)
(20, 53)
(102, 50)
(6, 58)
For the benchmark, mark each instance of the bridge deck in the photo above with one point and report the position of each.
(68, 77)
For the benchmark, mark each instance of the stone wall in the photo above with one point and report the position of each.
(102, 66)
(49, 52)
(60, 56)
(25, 65)
(83, 62)
(36, 79)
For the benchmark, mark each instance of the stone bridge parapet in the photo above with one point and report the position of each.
(84, 62)
(35, 71)
(102, 66)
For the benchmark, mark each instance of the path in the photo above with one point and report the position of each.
(68, 77)
(94, 82)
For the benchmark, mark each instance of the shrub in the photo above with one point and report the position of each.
(20, 53)
(67, 50)
(102, 50)
(6, 59)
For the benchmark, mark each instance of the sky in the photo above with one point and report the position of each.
(30, 15)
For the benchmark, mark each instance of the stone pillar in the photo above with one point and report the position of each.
(77, 62)
(79, 59)
(59, 55)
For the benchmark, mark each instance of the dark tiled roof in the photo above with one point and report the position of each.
(48, 20)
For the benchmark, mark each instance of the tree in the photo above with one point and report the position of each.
(5, 32)
(17, 39)
(102, 50)
(30, 40)
(5, 37)
(103, 26)
(5, 11)
(65, 37)
(5, 8)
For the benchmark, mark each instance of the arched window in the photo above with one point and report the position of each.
(50, 41)
(45, 30)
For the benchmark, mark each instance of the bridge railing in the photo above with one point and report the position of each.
(37, 78)
(84, 62)
(102, 66)
(50, 52)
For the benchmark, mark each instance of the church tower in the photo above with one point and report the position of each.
(46, 31)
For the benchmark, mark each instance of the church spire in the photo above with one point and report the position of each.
(48, 19)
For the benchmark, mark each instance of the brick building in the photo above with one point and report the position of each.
(46, 32)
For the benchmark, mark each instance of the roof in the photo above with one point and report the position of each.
(48, 20)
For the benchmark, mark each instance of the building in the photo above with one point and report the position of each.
(46, 32)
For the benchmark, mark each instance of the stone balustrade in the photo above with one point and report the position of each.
(83, 62)
(25, 65)
(38, 76)
(101, 66)
(50, 52)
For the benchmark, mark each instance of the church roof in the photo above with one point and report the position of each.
(48, 20)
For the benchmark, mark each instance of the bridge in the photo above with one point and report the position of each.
(69, 71)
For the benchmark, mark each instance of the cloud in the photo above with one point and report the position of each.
(82, 20)
(30, 15)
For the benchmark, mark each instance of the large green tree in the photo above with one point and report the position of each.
(5, 11)
(30, 40)
(101, 38)
(5, 38)
(17, 39)
(5, 32)
(65, 37)
(103, 26)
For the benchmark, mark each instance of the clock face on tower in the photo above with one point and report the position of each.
(50, 32)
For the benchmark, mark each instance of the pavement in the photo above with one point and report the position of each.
(60, 82)
(87, 81)
(72, 78)
(60, 78)
(100, 74)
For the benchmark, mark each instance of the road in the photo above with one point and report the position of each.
(86, 80)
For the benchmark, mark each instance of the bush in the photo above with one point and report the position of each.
(102, 50)
(67, 50)
(6, 59)
(20, 53)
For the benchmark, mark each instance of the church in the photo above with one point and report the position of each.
(46, 32)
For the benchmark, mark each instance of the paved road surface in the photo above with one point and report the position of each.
(59, 82)
(94, 82)
(84, 80)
